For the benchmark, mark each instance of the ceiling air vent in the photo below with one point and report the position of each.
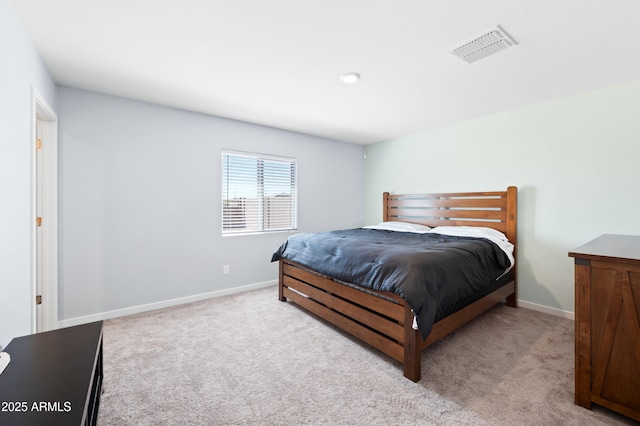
(483, 45)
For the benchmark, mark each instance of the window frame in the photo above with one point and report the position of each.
(261, 200)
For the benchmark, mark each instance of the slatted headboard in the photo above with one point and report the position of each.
(495, 210)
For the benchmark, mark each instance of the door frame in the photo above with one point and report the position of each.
(40, 110)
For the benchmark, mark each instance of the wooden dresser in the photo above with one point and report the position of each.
(607, 304)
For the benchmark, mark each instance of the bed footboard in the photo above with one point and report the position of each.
(381, 319)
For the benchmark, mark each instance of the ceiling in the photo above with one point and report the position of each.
(278, 62)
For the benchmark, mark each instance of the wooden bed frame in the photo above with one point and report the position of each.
(383, 319)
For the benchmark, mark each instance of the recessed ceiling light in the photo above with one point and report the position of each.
(350, 77)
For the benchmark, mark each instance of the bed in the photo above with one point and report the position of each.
(385, 319)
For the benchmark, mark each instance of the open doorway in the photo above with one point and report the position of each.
(44, 215)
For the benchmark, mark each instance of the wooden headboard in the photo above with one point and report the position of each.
(497, 210)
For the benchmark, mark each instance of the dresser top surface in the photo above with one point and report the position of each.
(610, 247)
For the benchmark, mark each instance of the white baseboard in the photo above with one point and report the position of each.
(546, 309)
(203, 296)
(159, 305)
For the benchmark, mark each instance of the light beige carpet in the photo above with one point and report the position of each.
(249, 359)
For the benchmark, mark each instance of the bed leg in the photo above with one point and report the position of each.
(281, 282)
(512, 299)
(412, 350)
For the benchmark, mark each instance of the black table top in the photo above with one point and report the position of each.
(49, 376)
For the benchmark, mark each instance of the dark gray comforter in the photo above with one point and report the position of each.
(430, 271)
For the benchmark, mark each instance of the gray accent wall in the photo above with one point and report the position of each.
(575, 161)
(20, 69)
(140, 201)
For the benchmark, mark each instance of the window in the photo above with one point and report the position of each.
(258, 193)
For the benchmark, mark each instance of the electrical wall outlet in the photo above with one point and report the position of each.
(226, 270)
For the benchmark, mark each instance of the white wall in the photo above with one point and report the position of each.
(20, 68)
(575, 161)
(140, 208)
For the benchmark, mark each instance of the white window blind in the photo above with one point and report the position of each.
(258, 193)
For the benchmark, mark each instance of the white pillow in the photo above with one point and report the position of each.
(470, 231)
(400, 227)
(479, 232)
